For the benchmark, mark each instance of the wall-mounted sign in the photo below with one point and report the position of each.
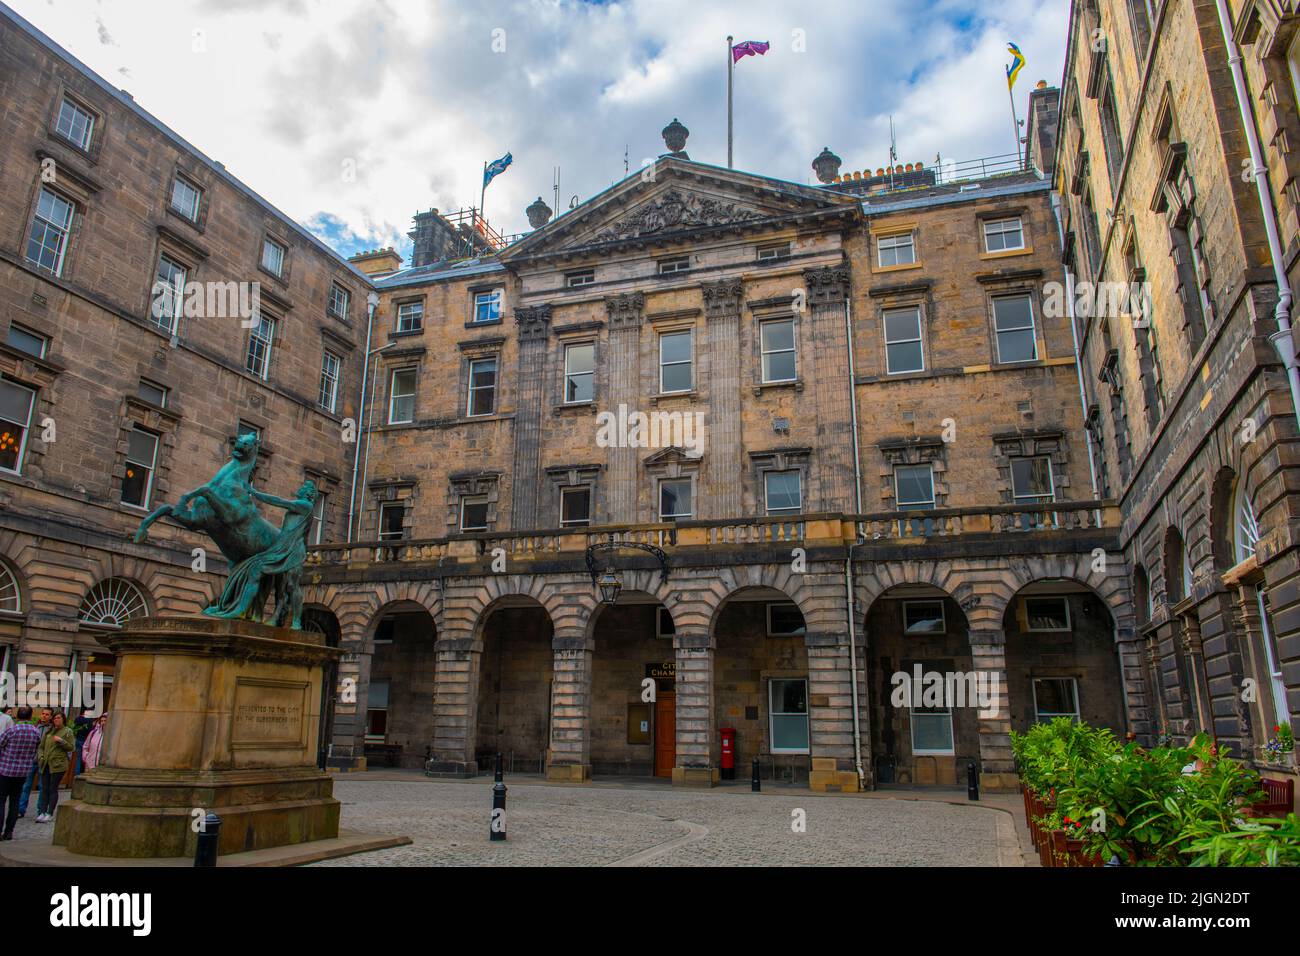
(665, 670)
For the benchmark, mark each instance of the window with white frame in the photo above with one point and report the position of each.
(340, 299)
(16, 402)
(675, 499)
(487, 305)
(11, 602)
(410, 316)
(675, 264)
(903, 352)
(474, 513)
(782, 492)
(185, 198)
(785, 620)
(168, 294)
(1047, 614)
(401, 396)
(141, 459)
(47, 243)
(1003, 235)
(1055, 697)
(776, 341)
(261, 338)
(579, 372)
(773, 252)
(575, 506)
(1031, 479)
(75, 124)
(330, 364)
(583, 277)
(923, 617)
(152, 392)
(318, 518)
(482, 387)
(787, 704)
(25, 340)
(273, 257)
(1013, 322)
(897, 250)
(931, 722)
(913, 487)
(392, 521)
(675, 373)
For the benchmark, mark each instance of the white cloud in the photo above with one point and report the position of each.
(285, 92)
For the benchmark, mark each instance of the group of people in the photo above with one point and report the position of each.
(46, 752)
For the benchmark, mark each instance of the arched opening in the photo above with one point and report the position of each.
(317, 619)
(1062, 659)
(12, 610)
(924, 716)
(1266, 661)
(1177, 568)
(109, 605)
(514, 691)
(761, 684)
(399, 695)
(1141, 595)
(633, 643)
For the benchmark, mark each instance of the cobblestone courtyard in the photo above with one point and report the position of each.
(616, 824)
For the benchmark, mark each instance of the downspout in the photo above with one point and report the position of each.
(1281, 339)
(372, 301)
(848, 563)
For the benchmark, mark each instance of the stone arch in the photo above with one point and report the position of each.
(1222, 494)
(1173, 565)
(358, 610)
(799, 588)
(115, 590)
(883, 576)
(14, 595)
(1108, 582)
(464, 609)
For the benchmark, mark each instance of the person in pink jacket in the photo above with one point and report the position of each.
(90, 750)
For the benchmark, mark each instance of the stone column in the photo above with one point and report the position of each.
(347, 750)
(830, 713)
(455, 705)
(827, 350)
(569, 756)
(988, 651)
(724, 468)
(694, 714)
(626, 313)
(1198, 693)
(534, 326)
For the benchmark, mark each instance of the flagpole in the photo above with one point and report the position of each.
(1015, 120)
(731, 68)
(482, 193)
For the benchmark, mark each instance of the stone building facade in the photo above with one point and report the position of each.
(828, 440)
(1188, 401)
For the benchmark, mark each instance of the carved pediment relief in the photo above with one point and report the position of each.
(673, 211)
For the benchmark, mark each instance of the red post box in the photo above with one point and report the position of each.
(728, 753)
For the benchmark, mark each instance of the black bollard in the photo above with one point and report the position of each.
(498, 828)
(755, 784)
(205, 849)
(972, 782)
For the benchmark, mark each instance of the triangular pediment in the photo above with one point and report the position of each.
(674, 200)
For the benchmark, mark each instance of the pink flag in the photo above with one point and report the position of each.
(749, 48)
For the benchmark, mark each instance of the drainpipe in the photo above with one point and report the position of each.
(1281, 339)
(848, 563)
(1078, 357)
(372, 301)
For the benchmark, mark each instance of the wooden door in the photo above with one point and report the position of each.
(665, 734)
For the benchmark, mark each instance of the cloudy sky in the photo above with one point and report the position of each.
(351, 115)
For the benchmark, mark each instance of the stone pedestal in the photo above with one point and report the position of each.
(206, 715)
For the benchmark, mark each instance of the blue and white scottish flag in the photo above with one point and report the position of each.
(496, 167)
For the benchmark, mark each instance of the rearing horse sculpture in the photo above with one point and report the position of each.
(239, 531)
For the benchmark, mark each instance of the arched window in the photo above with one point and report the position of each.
(1142, 594)
(112, 602)
(1245, 534)
(1178, 576)
(10, 599)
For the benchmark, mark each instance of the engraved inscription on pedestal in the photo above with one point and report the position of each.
(269, 714)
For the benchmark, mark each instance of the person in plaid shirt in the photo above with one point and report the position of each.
(17, 751)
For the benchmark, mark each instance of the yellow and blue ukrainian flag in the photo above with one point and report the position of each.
(1017, 64)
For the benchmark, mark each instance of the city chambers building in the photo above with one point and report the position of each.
(704, 471)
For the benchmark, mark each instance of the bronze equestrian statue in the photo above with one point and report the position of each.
(263, 559)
